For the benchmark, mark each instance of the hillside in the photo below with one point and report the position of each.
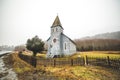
(109, 35)
(100, 42)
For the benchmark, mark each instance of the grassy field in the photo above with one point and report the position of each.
(25, 71)
(83, 73)
(98, 54)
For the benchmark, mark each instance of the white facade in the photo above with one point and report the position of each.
(58, 43)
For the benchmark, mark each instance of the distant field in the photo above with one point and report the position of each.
(98, 54)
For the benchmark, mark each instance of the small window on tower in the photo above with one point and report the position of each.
(52, 30)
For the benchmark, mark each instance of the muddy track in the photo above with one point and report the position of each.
(6, 71)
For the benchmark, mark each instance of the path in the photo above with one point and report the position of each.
(6, 73)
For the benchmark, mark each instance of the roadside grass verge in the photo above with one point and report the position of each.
(19, 65)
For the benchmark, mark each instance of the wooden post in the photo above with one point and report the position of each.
(86, 60)
(83, 61)
(108, 60)
(71, 62)
(54, 62)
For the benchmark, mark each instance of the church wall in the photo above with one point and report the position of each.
(72, 48)
(54, 48)
(63, 45)
(68, 47)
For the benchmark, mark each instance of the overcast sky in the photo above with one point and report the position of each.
(23, 19)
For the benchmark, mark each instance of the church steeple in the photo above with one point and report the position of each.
(58, 43)
(57, 22)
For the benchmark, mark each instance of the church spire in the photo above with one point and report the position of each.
(57, 22)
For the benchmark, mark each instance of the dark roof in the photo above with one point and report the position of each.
(48, 38)
(57, 22)
(69, 38)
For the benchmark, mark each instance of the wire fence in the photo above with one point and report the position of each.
(105, 62)
(60, 62)
(81, 61)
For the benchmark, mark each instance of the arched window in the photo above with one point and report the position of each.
(65, 46)
(52, 30)
(50, 46)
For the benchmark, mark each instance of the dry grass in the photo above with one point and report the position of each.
(19, 65)
(70, 72)
(98, 54)
(83, 73)
(42, 54)
(27, 53)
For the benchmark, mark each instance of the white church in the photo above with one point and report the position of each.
(58, 43)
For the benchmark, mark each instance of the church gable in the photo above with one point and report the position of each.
(68, 38)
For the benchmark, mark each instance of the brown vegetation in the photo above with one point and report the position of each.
(98, 45)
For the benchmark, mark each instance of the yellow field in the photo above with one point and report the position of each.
(98, 54)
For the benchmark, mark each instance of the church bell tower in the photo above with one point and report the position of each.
(56, 27)
(55, 39)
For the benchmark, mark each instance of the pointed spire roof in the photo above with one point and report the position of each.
(57, 22)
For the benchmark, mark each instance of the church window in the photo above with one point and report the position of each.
(53, 30)
(56, 29)
(54, 40)
(65, 46)
(50, 46)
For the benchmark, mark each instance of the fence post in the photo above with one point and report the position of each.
(71, 62)
(108, 60)
(86, 60)
(54, 62)
(83, 61)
